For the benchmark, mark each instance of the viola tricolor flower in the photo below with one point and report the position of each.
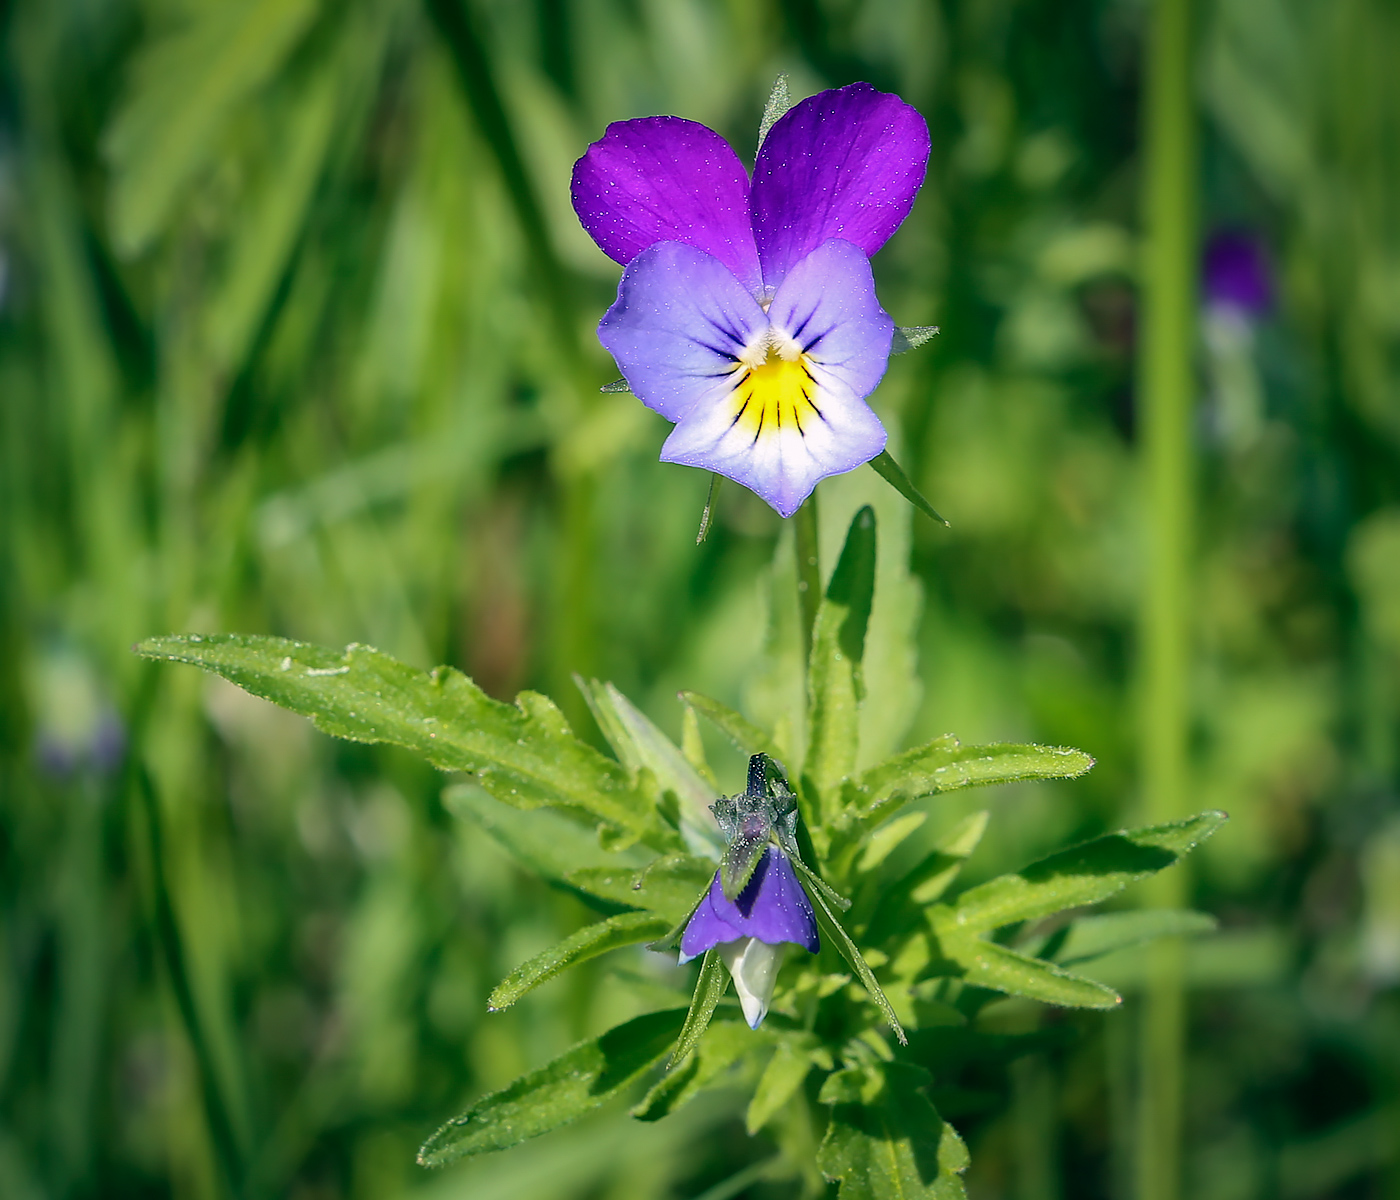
(746, 313)
(1235, 273)
(755, 903)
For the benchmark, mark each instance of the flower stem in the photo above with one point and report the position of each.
(1166, 390)
(809, 575)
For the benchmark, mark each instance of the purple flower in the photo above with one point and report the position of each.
(746, 313)
(771, 910)
(1235, 273)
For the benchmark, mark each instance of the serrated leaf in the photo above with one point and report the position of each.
(669, 886)
(524, 753)
(709, 987)
(786, 1070)
(1092, 937)
(639, 744)
(885, 1139)
(1081, 875)
(834, 683)
(911, 337)
(945, 764)
(575, 1083)
(747, 736)
(989, 965)
(723, 1044)
(625, 929)
(893, 474)
(779, 101)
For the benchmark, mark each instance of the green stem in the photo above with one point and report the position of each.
(1166, 391)
(809, 574)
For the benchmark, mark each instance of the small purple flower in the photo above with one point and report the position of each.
(1235, 273)
(771, 910)
(746, 313)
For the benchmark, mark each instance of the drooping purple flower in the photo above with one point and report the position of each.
(746, 313)
(771, 910)
(1235, 273)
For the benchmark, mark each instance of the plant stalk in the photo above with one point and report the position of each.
(809, 574)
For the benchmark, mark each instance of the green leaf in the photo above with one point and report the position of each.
(575, 1083)
(625, 929)
(639, 744)
(885, 1139)
(834, 684)
(524, 753)
(893, 474)
(989, 965)
(617, 386)
(945, 763)
(784, 1074)
(724, 1043)
(911, 337)
(1081, 875)
(1092, 937)
(709, 987)
(927, 880)
(741, 731)
(834, 930)
(670, 885)
(884, 840)
(779, 101)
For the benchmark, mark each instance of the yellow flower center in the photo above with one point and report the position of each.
(776, 394)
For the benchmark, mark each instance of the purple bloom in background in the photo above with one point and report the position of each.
(746, 313)
(771, 910)
(1235, 273)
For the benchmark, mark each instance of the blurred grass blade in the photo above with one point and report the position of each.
(709, 987)
(1092, 937)
(524, 753)
(625, 929)
(885, 1139)
(894, 475)
(1082, 875)
(989, 965)
(575, 1083)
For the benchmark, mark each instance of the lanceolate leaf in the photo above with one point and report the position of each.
(834, 683)
(885, 1139)
(893, 474)
(669, 885)
(723, 1044)
(575, 1083)
(1089, 938)
(1082, 875)
(625, 929)
(708, 990)
(911, 337)
(524, 753)
(833, 929)
(926, 881)
(789, 1066)
(739, 729)
(989, 965)
(945, 763)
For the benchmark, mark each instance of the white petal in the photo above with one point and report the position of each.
(754, 966)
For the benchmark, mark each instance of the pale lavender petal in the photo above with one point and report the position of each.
(845, 163)
(780, 441)
(660, 179)
(680, 322)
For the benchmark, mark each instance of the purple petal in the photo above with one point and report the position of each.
(784, 428)
(660, 179)
(845, 163)
(679, 324)
(773, 908)
(1235, 272)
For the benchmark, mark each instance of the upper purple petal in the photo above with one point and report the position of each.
(678, 325)
(660, 179)
(772, 908)
(841, 164)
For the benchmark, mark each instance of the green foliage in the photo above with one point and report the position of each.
(886, 1140)
(709, 989)
(574, 1084)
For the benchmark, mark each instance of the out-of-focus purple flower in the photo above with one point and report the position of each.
(1235, 273)
(771, 910)
(746, 313)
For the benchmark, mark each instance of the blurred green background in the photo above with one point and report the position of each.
(296, 337)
